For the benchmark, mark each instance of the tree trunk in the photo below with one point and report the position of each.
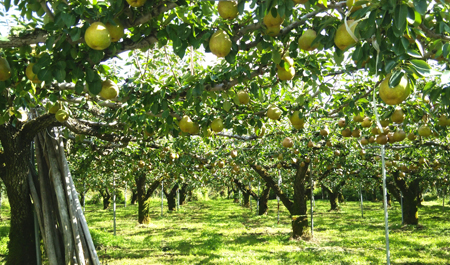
(143, 214)
(22, 249)
(235, 195)
(183, 193)
(106, 197)
(333, 198)
(246, 199)
(341, 197)
(82, 198)
(171, 198)
(134, 196)
(388, 199)
(263, 200)
(410, 198)
(374, 195)
(300, 228)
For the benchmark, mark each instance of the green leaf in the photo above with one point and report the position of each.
(395, 78)
(413, 53)
(79, 87)
(421, 67)
(75, 34)
(60, 74)
(421, 6)
(68, 19)
(95, 87)
(390, 64)
(45, 74)
(276, 56)
(400, 17)
(7, 4)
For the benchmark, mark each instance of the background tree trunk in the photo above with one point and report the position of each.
(263, 200)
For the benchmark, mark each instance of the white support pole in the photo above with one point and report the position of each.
(84, 195)
(312, 199)
(125, 196)
(401, 205)
(257, 203)
(386, 223)
(36, 238)
(360, 194)
(278, 198)
(162, 198)
(178, 199)
(250, 189)
(114, 203)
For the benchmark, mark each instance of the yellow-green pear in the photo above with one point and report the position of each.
(228, 9)
(186, 124)
(273, 113)
(394, 95)
(110, 90)
(305, 41)
(62, 115)
(220, 43)
(31, 75)
(342, 38)
(116, 31)
(97, 36)
(243, 97)
(5, 69)
(136, 3)
(271, 21)
(217, 125)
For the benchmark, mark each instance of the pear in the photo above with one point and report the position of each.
(217, 125)
(186, 124)
(287, 142)
(325, 131)
(356, 133)
(62, 115)
(358, 118)
(5, 69)
(305, 41)
(398, 116)
(273, 31)
(243, 97)
(97, 36)
(54, 108)
(346, 132)
(394, 95)
(399, 135)
(220, 43)
(234, 153)
(382, 139)
(424, 131)
(271, 21)
(136, 3)
(273, 113)
(110, 90)
(116, 31)
(343, 39)
(366, 123)
(31, 75)
(195, 128)
(295, 120)
(284, 74)
(228, 9)
(341, 122)
(411, 136)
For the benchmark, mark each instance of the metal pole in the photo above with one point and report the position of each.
(278, 199)
(312, 199)
(178, 199)
(114, 203)
(401, 205)
(386, 223)
(250, 189)
(84, 195)
(125, 195)
(36, 239)
(162, 198)
(360, 193)
(257, 203)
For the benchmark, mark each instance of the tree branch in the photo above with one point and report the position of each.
(83, 128)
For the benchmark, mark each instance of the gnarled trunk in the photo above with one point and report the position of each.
(106, 196)
(246, 199)
(410, 193)
(263, 200)
(22, 249)
(183, 193)
(171, 197)
(143, 196)
(134, 196)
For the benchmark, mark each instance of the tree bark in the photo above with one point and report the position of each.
(263, 200)
(134, 196)
(106, 197)
(333, 198)
(143, 195)
(14, 173)
(297, 208)
(410, 193)
(171, 197)
(183, 193)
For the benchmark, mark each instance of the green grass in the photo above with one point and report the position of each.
(220, 232)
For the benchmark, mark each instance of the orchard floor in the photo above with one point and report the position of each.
(222, 232)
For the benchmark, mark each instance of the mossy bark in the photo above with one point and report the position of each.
(171, 197)
(183, 193)
(263, 201)
(143, 195)
(300, 228)
(106, 197)
(410, 191)
(14, 170)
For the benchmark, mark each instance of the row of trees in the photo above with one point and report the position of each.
(161, 93)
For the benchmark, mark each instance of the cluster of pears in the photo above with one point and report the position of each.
(61, 114)
(272, 23)
(286, 71)
(99, 36)
(220, 42)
